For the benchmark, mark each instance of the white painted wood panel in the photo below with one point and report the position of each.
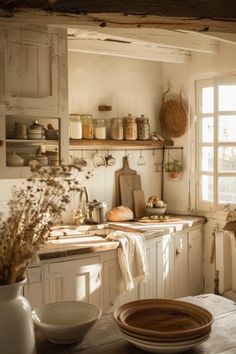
(195, 278)
(181, 265)
(75, 280)
(32, 69)
(165, 279)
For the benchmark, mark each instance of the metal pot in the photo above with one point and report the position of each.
(96, 212)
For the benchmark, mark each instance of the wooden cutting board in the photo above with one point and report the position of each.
(125, 170)
(139, 203)
(129, 183)
(149, 221)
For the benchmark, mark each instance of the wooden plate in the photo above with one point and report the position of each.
(165, 340)
(163, 318)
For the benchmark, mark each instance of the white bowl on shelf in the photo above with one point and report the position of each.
(155, 211)
(66, 322)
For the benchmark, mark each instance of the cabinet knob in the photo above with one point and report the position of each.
(177, 252)
(190, 246)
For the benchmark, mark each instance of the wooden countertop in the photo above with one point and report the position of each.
(105, 336)
(91, 244)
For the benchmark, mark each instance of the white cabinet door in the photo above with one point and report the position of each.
(196, 261)
(165, 267)
(74, 280)
(33, 289)
(147, 289)
(113, 296)
(181, 265)
(32, 68)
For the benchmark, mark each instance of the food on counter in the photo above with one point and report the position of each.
(155, 202)
(156, 217)
(120, 213)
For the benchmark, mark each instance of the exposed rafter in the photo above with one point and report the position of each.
(153, 37)
(128, 50)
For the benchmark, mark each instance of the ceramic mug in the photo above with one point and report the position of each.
(99, 160)
(110, 160)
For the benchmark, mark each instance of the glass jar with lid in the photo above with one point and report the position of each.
(143, 128)
(117, 131)
(100, 131)
(130, 128)
(75, 126)
(87, 126)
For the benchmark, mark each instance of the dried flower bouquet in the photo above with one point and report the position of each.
(32, 210)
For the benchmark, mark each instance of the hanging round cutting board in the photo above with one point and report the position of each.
(173, 117)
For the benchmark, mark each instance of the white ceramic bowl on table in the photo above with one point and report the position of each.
(66, 322)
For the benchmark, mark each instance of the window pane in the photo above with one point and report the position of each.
(207, 188)
(207, 130)
(207, 158)
(227, 128)
(227, 159)
(227, 97)
(207, 100)
(227, 189)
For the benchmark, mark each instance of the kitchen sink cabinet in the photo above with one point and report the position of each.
(175, 267)
(78, 279)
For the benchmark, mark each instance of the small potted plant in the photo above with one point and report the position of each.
(174, 168)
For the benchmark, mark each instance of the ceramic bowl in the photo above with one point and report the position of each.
(66, 322)
(155, 211)
(51, 134)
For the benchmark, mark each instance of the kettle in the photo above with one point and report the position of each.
(96, 212)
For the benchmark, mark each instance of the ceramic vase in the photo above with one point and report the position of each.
(16, 324)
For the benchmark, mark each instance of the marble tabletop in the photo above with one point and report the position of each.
(105, 337)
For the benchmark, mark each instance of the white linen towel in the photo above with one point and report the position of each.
(131, 257)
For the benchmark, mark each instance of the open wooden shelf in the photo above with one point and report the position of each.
(81, 144)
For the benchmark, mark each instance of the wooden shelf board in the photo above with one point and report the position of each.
(31, 142)
(92, 144)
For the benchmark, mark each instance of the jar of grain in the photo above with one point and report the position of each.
(130, 128)
(143, 128)
(75, 126)
(100, 131)
(87, 126)
(117, 131)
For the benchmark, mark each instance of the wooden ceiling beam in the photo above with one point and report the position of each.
(156, 37)
(128, 50)
(119, 20)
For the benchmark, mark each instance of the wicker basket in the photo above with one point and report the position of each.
(173, 117)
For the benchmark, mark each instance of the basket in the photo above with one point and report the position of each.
(173, 117)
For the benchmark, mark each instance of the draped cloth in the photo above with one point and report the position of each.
(131, 257)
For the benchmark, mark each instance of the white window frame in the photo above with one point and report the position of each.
(200, 84)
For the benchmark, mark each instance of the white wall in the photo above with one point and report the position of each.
(129, 86)
(180, 194)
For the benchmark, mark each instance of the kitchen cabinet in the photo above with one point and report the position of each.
(54, 148)
(35, 59)
(78, 279)
(175, 267)
(33, 86)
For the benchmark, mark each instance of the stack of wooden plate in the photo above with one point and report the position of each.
(163, 325)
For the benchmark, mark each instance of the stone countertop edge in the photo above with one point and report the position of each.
(50, 251)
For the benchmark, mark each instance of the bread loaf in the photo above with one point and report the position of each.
(120, 213)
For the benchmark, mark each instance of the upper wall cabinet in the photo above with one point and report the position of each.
(34, 69)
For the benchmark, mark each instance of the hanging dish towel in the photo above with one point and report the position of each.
(132, 257)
